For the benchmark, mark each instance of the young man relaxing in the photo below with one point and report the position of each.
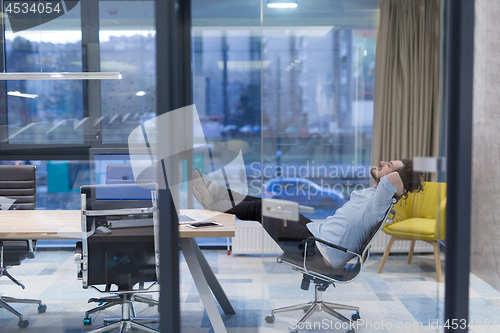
(349, 227)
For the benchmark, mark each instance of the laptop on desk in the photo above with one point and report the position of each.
(126, 222)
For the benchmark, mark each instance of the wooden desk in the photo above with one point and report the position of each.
(227, 229)
(66, 224)
(40, 224)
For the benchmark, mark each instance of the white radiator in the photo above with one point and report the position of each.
(251, 238)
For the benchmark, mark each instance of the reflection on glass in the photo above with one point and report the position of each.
(52, 117)
(127, 45)
(318, 112)
(58, 182)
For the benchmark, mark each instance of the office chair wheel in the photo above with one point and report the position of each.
(42, 308)
(294, 331)
(87, 320)
(23, 323)
(350, 331)
(355, 316)
(270, 319)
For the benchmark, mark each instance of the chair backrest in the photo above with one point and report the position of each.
(19, 182)
(430, 203)
(125, 257)
(115, 196)
(389, 216)
(316, 267)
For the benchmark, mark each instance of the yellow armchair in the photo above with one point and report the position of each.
(420, 217)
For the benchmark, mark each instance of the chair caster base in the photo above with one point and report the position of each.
(270, 319)
(23, 323)
(42, 308)
(355, 316)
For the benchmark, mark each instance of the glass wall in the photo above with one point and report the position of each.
(63, 113)
(317, 122)
(285, 103)
(127, 45)
(293, 90)
(45, 112)
(73, 132)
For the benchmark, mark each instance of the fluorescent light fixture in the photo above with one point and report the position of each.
(140, 93)
(281, 4)
(243, 66)
(20, 94)
(61, 76)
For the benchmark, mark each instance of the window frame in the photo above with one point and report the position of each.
(91, 92)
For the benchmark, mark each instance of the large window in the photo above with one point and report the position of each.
(73, 115)
(298, 95)
(127, 45)
(44, 112)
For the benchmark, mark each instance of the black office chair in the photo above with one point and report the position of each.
(314, 270)
(117, 261)
(18, 182)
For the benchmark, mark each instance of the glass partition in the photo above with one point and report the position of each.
(318, 128)
(127, 45)
(54, 254)
(45, 112)
(283, 109)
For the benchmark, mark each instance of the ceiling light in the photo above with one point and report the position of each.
(61, 76)
(20, 94)
(281, 4)
(140, 93)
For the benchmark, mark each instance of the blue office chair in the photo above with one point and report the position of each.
(314, 270)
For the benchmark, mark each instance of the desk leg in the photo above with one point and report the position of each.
(212, 280)
(200, 281)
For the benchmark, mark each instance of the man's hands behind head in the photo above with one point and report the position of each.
(395, 180)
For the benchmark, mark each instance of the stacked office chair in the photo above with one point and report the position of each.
(314, 270)
(124, 262)
(18, 182)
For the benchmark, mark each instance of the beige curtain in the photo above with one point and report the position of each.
(406, 119)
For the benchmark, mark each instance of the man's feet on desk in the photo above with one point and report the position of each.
(212, 196)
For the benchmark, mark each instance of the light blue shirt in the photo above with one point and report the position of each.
(353, 223)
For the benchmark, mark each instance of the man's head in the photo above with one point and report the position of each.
(412, 180)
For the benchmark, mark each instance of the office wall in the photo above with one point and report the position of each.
(485, 219)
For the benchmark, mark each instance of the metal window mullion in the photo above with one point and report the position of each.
(91, 62)
(3, 85)
(458, 99)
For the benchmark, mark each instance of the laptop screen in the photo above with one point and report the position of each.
(112, 166)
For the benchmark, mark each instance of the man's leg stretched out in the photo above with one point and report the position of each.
(218, 198)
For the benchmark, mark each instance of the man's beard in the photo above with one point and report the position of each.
(373, 174)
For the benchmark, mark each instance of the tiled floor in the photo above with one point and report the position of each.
(399, 300)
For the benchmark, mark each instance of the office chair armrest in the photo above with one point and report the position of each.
(338, 247)
(78, 255)
(335, 246)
